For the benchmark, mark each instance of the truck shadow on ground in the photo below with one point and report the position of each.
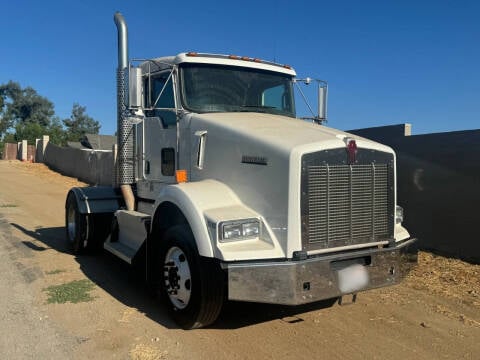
(52, 238)
(126, 284)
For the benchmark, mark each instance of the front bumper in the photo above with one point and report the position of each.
(314, 279)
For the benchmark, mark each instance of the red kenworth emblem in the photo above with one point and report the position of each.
(352, 151)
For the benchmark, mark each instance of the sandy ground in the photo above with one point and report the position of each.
(433, 314)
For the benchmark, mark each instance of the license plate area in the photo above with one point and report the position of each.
(352, 274)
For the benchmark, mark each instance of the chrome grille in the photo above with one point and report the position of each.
(346, 204)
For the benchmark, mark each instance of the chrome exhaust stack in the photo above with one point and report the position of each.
(125, 159)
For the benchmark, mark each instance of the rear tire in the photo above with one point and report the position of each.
(76, 225)
(192, 286)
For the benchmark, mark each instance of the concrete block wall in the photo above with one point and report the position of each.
(19, 151)
(438, 177)
(30, 153)
(41, 145)
(23, 153)
(10, 151)
(90, 166)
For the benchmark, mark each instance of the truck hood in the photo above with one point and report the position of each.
(283, 133)
(258, 156)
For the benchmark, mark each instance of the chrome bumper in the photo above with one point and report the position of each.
(314, 279)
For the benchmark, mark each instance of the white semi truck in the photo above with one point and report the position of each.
(222, 193)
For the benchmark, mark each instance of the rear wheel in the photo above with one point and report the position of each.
(192, 286)
(76, 225)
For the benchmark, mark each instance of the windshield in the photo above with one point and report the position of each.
(217, 88)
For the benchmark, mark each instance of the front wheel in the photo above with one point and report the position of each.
(192, 286)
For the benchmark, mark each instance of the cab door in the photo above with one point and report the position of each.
(160, 129)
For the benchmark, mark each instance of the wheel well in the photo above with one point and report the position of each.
(166, 216)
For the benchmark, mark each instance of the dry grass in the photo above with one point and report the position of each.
(452, 278)
(146, 352)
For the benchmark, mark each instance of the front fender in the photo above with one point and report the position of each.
(205, 204)
(194, 200)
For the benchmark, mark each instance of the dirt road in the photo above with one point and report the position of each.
(434, 314)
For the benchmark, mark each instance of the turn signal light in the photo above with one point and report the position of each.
(181, 176)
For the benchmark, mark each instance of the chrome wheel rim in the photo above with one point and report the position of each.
(177, 277)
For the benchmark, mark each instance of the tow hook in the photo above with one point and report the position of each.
(342, 303)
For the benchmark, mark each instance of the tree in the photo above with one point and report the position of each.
(26, 115)
(8, 93)
(57, 132)
(23, 106)
(24, 110)
(29, 131)
(80, 124)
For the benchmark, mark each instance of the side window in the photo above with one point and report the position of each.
(165, 100)
(162, 101)
(274, 97)
(168, 161)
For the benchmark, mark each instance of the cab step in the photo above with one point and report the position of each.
(120, 250)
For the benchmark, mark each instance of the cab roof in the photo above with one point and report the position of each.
(166, 62)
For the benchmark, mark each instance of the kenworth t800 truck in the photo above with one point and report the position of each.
(222, 193)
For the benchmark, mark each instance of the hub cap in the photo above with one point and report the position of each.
(178, 283)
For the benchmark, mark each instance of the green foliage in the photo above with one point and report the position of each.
(23, 106)
(29, 131)
(26, 115)
(8, 205)
(80, 124)
(74, 292)
(56, 132)
(8, 93)
(10, 138)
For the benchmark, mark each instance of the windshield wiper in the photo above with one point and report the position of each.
(258, 106)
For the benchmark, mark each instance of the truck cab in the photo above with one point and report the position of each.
(228, 195)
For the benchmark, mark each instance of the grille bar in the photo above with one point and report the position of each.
(346, 204)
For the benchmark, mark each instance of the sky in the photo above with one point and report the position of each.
(386, 62)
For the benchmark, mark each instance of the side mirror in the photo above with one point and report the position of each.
(321, 116)
(322, 101)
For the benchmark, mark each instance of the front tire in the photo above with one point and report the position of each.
(191, 286)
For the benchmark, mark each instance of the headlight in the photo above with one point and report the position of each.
(398, 215)
(240, 229)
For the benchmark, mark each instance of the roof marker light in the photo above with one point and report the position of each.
(192, 53)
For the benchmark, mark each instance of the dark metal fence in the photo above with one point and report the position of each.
(438, 186)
